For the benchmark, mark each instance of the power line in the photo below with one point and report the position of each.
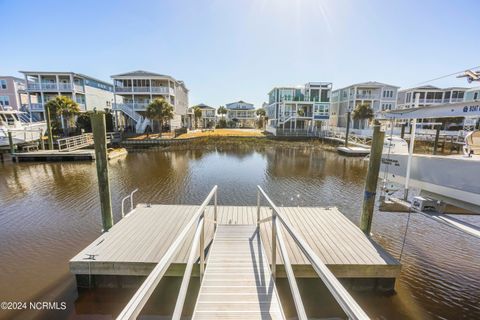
(448, 75)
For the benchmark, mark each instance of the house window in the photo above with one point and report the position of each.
(475, 96)
(4, 101)
(3, 84)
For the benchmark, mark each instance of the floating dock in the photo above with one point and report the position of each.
(134, 245)
(55, 155)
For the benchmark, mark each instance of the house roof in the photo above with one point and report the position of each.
(373, 84)
(140, 73)
(65, 73)
(232, 105)
(430, 87)
(203, 106)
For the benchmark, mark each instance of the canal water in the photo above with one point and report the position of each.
(50, 211)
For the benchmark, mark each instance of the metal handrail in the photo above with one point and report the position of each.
(198, 238)
(341, 295)
(130, 196)
(140, 298)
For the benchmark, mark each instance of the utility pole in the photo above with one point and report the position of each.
(372, 179)
(100, 142)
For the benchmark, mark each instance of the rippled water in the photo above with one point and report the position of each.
(50, 211)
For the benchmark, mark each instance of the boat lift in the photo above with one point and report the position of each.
(462, 109)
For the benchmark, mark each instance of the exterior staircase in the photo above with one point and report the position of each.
(141, 122)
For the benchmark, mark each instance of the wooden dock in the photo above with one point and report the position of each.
(237, 283)
(55, 155)
(134, 245)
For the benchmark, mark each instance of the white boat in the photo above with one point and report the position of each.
(22, 132)
(454, 179)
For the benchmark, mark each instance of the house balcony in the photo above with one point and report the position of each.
(53, 86)
(433, 101)
(367, 96)
(36, 107)
(148, 90)
(452, 100)
(137, 106)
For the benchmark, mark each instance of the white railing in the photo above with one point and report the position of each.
(140, 298)
(368, 96)
(142, 106)
(341, 295)
(37, 107)
(130, 196)
(128, 110)
(65, 86)
(153, 89)
(75, 142)
(141, 89)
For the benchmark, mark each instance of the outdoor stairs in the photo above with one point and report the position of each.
(237, 283)
(141, 122)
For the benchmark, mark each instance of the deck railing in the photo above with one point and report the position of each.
(140, 298)
(130, 196)
(341, 295)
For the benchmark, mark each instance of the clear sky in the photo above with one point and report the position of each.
(226, 50)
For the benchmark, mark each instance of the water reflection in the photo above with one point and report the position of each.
(50, 211)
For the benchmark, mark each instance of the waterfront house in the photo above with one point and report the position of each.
(472, 94)
(429, 95)
(12, 93)
(139, 88)
(241, 114)
(298, 110)
(86, 91)
(207, 120)
(379, 96)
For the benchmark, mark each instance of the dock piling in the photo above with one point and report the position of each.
(372, 178)
(49, 128)
(435, 143)
(10, 142)
(100, 141)
(347, 131)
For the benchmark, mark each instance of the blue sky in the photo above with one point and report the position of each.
(226, 50)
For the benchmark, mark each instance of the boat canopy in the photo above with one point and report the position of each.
(461, 109)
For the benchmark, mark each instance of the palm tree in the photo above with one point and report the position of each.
(159, 109)
(261, 113)
(222, 111)
(363, 112)
(197, 114)
(66, 107)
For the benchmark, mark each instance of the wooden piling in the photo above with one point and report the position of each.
(435, 143)
(100, 142)
(49, 128)
(348, 129)
(10, 142)
(402, 133)
(371, 181)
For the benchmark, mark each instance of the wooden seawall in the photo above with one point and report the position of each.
(136, 243)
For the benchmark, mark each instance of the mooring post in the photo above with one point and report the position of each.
(10, 142)
(402, 133)
(49, 128)
(435, 144)
(100, 142)
(372, 178)
(348, 129)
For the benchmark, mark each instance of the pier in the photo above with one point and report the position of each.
(134, 245)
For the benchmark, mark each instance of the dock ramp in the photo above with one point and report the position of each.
(237, 283)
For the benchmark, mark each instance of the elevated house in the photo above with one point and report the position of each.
(241, 114)
(87, 92)
(138, 88)
(207, 120)
(379, 96)
(13, 94)
(298, 110)
(429, 95)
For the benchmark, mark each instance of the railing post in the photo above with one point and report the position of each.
(202, 249)
(215, 211)
(274, 243)
(258, 208)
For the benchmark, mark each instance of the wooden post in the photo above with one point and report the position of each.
(348, 129)
(100, 142)
(372, 178)
(402, 133)
(202, 250)
(49, 128)
(10, 142)
(435, 143)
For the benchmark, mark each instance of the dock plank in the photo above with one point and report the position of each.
(137, 242)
